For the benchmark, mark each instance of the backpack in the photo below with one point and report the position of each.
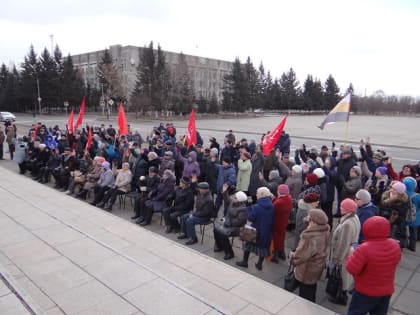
(411, 212)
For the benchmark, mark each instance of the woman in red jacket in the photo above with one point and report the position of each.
(373, 265)
(283, 205)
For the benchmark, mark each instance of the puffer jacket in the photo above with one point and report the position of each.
(204, 206)
(374, 262)
(415, 199)
(365, 212)
(225, 176)
(311, 254)
(192, 167)
(262, 217)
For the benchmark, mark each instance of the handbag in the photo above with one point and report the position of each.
(290, 282)
(334, 286)
(248, 234)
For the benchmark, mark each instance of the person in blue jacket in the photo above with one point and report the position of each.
(411, 184)
(365, 209)
(262, 217)
(226, 183)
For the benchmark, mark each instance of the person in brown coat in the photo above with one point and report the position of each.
(310, 256)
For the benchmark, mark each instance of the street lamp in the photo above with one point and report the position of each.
(37, 85)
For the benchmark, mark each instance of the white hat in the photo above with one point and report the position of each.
(241, 196)
(297, 169)
(319, 172)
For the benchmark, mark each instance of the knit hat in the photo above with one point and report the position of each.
(274, 174)
(214, 151)
(319, 172)
(186, 180)
(399, 187)
(410, 184)
(241, 196)
(263, 192)
(364, 196)
(227, 160)
(377, 155)
(312, 179)
(348, 206)
(152, 155)
(42, 146)
(357, 169)
(382, 170)
(318, 216)
(311, 197)
(297, 169)
(106, 165)
(203, 185)
(283, 190)
(153, 169)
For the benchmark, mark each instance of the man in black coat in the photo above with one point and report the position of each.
(183, 203)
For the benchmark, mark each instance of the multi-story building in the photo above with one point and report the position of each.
(206, 74)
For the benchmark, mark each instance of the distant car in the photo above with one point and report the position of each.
(7, 116)
(259, 111)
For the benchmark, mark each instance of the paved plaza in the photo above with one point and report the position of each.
(59, 255)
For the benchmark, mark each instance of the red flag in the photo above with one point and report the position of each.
(34, 135)
(122, 121)
(270, 139)
(191, 136)
(89, 139)
(81, 113)
(70, 127)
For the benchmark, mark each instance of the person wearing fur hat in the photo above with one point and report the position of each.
(262, 216)
(183, 203)
(377, 182)
(365, 209)
(394, 206)
(274, 180)
(236, 218)
(283, 205)
(346, 233)
(353, 183)
(309, 201)
(411, 184)
(311, 253)
(244, 172)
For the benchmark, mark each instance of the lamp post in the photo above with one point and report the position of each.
(39, 95)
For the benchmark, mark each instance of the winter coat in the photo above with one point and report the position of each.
(351, 187)
(301, 224)
(282, 207)
(211, 175)
(415, 199)
(184, 200)
(192, 167)
(106, 179)
(373, 264)
(204, 206)
(165, 188)
(235, 218)
(257, 161)
(140, 168)
(123, 180)
(272, 184)
(20, 152)
(311, 254)
(346, 233)
(225, 176)
(262, 217)
(365, 212)
(166, 165)
(244, 175)
(343, 168)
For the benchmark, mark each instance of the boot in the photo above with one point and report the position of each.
(258, 265)
(275, 257)
(82, 194)
(168, 229)
(282, 255)
(244, 262)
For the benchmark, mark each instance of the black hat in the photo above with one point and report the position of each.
(227, 160)
(324, 147)
(186, 180)
(153, 169)
(168, 142)
(203, 185)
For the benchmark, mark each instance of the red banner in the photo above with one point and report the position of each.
(122, 121)
(89, 139)
(81, 113)
(70, 122)
(191, 136)
(270, 140)
(34, 135)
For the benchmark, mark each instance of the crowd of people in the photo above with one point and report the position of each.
(377, 207)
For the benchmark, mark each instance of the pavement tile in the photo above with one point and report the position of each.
(85, 251)
(84, 226)
(160, 297)
(58, 234)
(218, 273)
(83, 297)
(119, 273)
(407, 302)
(54, 311)
(301, 306)
(222, 300)
(410, 262)
(251, 309)
(36, 220)
(402, 276)
(4, 290)
(39, 297)
(13, 234)
(179, 255)
(11, 305)
(112, 240)
(262, 295)
(112, 306)
(414, 283)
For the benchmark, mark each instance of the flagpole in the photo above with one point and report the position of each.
(346, 133)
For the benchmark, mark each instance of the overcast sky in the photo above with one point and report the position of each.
(373, 44)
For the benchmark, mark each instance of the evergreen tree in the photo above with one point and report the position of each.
(182, 94)
(110, 77)
(72, 85)
(162, 82)
(202, 104)
(49, 80)
(332, 96)
(312, 94)
(235, 89)
(290, 91)
(28, 82)
(213, 105)
(251, 86)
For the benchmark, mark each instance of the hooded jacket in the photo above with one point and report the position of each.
(192, 167)
(262, 217)
(225, 176)
(415, 199)
(374, 262)
(365, 212)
